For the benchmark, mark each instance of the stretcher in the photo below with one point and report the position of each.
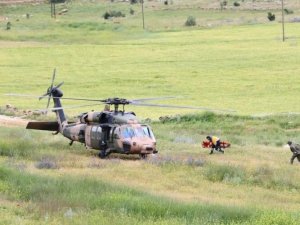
(208, 144)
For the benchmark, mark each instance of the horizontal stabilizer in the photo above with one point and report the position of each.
(51, 126)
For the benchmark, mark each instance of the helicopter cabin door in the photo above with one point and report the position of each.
(93, 136)
(96, 135)
(88, 136)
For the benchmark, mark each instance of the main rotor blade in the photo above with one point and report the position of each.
(151, 99)
(48, 103)
(179, 107)
(137, 102)
(59, 84)
(22, 95)
(83, 99)
(88, 99)
(36, 96)
(73, 107)
(53, 78)
(43, 96)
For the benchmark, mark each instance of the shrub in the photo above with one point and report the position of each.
(288, 11)
(133, 1)
(113, 13)
(223, 4)
(46, 163)
(8, 26)
(236, 4)
(191, 21)
(164, 160)
(225, 173)
(57, 1)
(271, 16)
(106, 15)
(131, 11)
(195, 162)
(166, 2)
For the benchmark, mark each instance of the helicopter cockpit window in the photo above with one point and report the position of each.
(130, 132)
(141, 132)
(148, 131)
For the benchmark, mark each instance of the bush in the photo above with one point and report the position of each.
(57, 1)
(225, 173)
(271, 16)
(223, 4)
(195, 162)
(106, 15)
(191, 21)
(8, 26)
(133, 1)
(288, 11)
(131, 11)
(236, 4)
(113, 13)
(46, 163)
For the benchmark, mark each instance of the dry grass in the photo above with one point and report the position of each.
(186, 183)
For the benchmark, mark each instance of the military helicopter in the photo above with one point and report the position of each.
(110, 131)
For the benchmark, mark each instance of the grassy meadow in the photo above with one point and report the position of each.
(232, 59)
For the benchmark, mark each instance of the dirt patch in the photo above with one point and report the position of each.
(14, 2)
(6, 121)
(20, 44)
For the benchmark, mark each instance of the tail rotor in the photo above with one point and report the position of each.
(50, 90)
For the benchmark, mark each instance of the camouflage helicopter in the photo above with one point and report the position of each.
(110, 131)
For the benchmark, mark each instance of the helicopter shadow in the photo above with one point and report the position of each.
(116, 156)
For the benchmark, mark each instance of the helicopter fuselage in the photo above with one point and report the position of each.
(107, 131)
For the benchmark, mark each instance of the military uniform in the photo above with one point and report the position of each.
(295, 149)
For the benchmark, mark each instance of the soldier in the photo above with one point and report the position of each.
(106, 108)
(216, 144)
(295, 149)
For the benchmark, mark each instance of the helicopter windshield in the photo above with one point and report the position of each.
(130, 132)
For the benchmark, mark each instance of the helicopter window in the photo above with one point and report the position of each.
(116, 132)
(148, 131)
(99, 131)
(141, 132)
(128, 132)
(94, 129)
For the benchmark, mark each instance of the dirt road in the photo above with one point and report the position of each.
(14, 2)
(7, 121)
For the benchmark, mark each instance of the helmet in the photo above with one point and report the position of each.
(289, 142)
(208, 137)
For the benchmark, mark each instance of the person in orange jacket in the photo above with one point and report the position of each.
(216, 144)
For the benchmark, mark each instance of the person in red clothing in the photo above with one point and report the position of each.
(216, 144)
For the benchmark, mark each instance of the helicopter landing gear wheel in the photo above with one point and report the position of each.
(143, 156)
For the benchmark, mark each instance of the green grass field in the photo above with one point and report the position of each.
(233, 59)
